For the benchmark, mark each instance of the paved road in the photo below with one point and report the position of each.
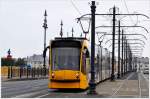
(133, 85)
(15, 88)
(33, 88)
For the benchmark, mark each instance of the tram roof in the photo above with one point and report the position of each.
(70, 38)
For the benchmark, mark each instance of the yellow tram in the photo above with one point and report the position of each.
(69, 63)
(69, 60)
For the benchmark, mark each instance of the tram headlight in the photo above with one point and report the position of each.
(53, 75)
(77, 75)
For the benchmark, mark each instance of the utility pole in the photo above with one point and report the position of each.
(45, 27)
(113, 45)
(101, 57)
(119, 51)
(122, 56)
(130, 60)
(92, 80)
(126, 55)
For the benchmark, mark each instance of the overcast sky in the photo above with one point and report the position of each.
(21, 21)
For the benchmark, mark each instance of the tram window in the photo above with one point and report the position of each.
(65, 58)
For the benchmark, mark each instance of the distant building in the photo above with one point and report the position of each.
(146, 60)
(143, 62)
(36, 61)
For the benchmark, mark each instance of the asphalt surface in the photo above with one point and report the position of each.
(131, 86)
(15, 88)
(34, 88)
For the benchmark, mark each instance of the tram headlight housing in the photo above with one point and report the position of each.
(53, 75)
(77, 75)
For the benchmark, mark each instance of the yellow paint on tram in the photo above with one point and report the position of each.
(69, 78)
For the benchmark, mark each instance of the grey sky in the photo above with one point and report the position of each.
(21, 21)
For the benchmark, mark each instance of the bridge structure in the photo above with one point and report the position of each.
(125, 53)
(126, 64)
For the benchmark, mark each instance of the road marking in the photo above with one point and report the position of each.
(28, 94)
(25, 95)
(121, 85)
(42, 95)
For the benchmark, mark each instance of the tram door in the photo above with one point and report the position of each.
(86, 64)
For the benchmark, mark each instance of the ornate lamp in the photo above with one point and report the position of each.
(85, 24)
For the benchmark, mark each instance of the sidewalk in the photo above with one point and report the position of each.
(132, 86)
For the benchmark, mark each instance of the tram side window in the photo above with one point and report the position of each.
(87, 62)
(85, 55)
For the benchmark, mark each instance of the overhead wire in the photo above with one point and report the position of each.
(73, 4)
(128, 11)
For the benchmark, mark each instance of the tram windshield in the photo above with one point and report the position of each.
(65, 58)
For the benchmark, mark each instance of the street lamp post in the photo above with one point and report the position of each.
(45, 27)
(10, 71)
(92, 80)
(113, 46)
(122, 56)
(119, 51)
(126, 56)
(130, 60)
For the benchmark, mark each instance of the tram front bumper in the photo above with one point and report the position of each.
(55, 84)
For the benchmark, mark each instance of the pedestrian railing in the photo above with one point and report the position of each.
(13, 72)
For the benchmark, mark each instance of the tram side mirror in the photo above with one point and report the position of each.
(87, 54)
